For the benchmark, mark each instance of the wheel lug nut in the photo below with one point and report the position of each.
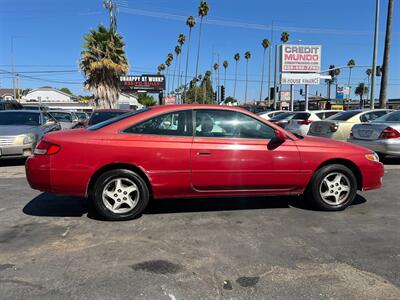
(115, 195)
(125, 193)
(337, 184)
(119, 191)
(124, 198)
(119, 200)
(331, 191)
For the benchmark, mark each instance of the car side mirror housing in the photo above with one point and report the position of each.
(280, 136)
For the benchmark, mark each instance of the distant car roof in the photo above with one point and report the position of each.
(112, 110)
(21, 110)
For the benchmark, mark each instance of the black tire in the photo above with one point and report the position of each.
(317, 184)
(105, 179)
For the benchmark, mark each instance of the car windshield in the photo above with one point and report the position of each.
(284, 116)
(19, 118)
(118, 117)
(62, 116)
(81, 115)
(389, 118)
(344, 116)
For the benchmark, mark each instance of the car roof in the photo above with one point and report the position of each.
(112, 110)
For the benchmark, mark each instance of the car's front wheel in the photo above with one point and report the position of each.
(333, 187)
(120, 195)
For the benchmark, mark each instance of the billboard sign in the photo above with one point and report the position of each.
(301, 58)
(297, 78)
(148, 83)
(285, 96)
(170, 100)
(342, 91)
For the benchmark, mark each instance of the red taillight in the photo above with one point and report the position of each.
(334, 127)
(389, 133)
(46, 148)
(305, 122)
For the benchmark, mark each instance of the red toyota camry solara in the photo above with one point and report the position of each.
(197, 151)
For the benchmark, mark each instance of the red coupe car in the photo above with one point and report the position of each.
(197, 151)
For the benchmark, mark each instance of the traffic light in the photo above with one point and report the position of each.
(222, 93)
(301, 91)
(215, 97)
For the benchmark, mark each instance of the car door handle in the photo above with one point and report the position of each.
(203, 153)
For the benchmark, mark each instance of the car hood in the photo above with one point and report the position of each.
(17, 129)
(321, 143)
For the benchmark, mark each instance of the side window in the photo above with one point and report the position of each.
(177, 123)
(330, 114)
(368, 117)
(230, 124)
(321, 115)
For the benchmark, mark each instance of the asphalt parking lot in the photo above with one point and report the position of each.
(248, 248)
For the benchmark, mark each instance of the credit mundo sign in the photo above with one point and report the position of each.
(301, 58)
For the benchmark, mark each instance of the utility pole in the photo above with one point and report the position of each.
(276, 75)
(374, 57)
(291, 97)
(270, 63)
(306, 97)
(13, 67)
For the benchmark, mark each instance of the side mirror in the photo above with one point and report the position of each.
(280, 136)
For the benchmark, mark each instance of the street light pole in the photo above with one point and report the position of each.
(276, 75)
(374, 57)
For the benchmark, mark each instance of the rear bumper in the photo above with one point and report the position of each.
(389, 147)
(37, 170)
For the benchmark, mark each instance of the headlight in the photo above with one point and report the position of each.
(372, 157)
(25, 139)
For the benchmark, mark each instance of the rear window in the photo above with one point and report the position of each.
(392, 117)
(283, 116)
(62, 116)
(19, 118)
(114, 119)
(301, 116)
(344, 116)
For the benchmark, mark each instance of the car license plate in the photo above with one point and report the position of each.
(365, 133)
(318, 128)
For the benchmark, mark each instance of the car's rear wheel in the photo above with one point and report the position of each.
(120, 195)
(333, 187)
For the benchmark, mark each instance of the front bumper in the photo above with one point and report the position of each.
(389, 146)
(372, 175)
(9, 152)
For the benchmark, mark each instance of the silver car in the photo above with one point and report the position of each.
(67, 119)
(20, 131)
(382, 135)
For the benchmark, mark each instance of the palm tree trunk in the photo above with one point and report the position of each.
(262, 75)
(225, 78)
(245, 92)
(234, 86)
(386, 56)
(348, 84)
(198, 57)
(173, 78)
(329, 90)
(179, 74)
(187, 59)
(168, 80)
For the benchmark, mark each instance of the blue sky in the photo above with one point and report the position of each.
(48, 36)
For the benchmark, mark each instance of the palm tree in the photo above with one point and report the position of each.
(351, 63)
(265, 44)
(386, 56)
(216, 68)
(285, 37)
(190, 22)
(225, 64)
(168, 61)
(103, 61)
(203, 11)
(178, 51)
(247, 56)
(162, 68)
(236, 58)
(333, 72)
(361, 90)
(181, 41)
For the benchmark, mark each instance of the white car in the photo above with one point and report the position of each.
(268, 115)
(301, 121)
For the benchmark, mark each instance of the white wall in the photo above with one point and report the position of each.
(129, 100)
(47, 96)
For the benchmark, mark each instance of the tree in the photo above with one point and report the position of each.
(190, 22)
(205, 89)
(161, 69)
(236, 58)
(66, 90)
(333, 72)
(225, 64)
(285, 37)
(168, 61)
(178, 51)
(146, 100)
(216, 68)
(181, 42)
(230, 100)
(351, 63)
(265, 44)
(112, 10)
(103, 61)
(361, 90)
(386, 56)
(203, 11)
(247, 56)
